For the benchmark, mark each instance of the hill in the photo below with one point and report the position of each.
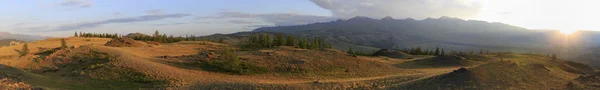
(208, 65)
(518, 72)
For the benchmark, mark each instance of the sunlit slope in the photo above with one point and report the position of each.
(90, 64)
(514, 71)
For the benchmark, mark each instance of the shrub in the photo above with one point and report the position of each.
(63, 43)
(24, 51)
(230, 62)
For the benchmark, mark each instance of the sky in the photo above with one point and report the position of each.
(204, 17)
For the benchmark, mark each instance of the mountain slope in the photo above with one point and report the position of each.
(452, 34)
(447, 32)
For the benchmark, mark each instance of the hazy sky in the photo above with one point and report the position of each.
(202, 17)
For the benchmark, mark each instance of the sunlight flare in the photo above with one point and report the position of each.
(568, 32)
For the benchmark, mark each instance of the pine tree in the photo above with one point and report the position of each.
(280, 40)
(481, 51)
(431, 52)
(156, 34)
(221, 40)
(350, 51)
(442, 53)
(413, 51)
(24, 51)
(304, 43)
(437, 50)
(76, 35)
(164, 38)
(290, 41)
(63, 43)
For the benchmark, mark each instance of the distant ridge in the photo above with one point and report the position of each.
(452, 34)
(9, 42)
(7, 35)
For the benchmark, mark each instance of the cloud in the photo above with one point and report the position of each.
(21, 24)
(419, 9)
(154, 12)
(30, 28)
(121, 20)
(169, 24)
(241, 22)
(256, 26)
(278, 19)
(77, 3)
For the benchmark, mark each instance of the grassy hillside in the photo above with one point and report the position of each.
(519, 72)
(208, 65)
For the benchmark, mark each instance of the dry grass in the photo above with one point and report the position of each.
(289, 68)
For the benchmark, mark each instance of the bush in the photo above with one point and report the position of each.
(24, 51)
(230, 62)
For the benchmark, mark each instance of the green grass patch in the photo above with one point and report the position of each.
(242, 68)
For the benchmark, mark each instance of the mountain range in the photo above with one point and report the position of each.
(452, 34)
(7, 35)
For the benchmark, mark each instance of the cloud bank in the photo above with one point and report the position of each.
(418, 9)
(121, 20)
(278, 19)
(77, 3)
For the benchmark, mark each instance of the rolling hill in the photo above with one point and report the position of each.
(93, 64)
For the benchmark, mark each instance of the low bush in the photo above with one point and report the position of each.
(230, 62)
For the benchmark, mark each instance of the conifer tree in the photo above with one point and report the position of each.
(350, 51)
(24, 51)
(305, 43)
(290, 41)
(63, 43)
(76, 35)
(280, 40)
(437, 50)
(431, 52)
(442, 53)
(481, 51)
(156, 34)
(221, 40)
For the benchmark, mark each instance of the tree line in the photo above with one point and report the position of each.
(420, 51)
(265, 40)
(156, 37)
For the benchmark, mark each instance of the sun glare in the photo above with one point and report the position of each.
(568, 32)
